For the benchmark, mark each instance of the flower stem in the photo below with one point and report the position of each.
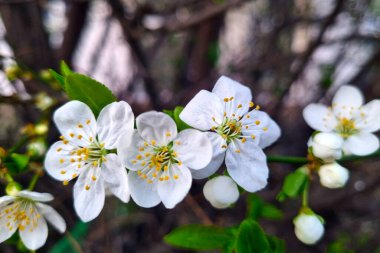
(356, 158)
(287, 159)
(18, 145)
(33, 182)
(305, 195)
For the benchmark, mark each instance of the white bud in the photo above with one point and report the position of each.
(221, 192)
(327, 146)
(308, 228)
(333, 175)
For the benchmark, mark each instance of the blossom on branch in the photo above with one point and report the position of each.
(86, 151)
(160, 158)
(348, 119)
(237, 134)
(25, 212)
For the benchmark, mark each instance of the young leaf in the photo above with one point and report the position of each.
(65, 69)
(199, 237)
(60, 79)
(180, 124)
(16, 163)
(293, 184)
(87, 90)
(257, 209)
(271, 212)
(251, 238)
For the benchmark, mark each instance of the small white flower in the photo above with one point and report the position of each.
(308, 228)
(348, 119)
(221, 191)
(25, 213)
(85, 152)
(237, 134)
(159, 159)
(333, 175)
(327, 146)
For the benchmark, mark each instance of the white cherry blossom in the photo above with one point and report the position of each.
(25, 212)
(85, 151)
(160, 158)
(349, 119)
(308, 228)
(237, 134)
(333, 175)
(221, 192)
(327, 146)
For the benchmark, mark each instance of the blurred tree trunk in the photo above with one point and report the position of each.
(26, 36)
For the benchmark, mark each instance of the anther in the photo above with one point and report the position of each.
(80, 126)
(87, 187)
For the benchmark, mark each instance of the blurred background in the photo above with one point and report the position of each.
(159, 54)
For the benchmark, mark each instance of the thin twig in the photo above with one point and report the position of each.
(198, 210)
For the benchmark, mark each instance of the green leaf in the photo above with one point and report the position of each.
(257, 209)
(169, 112)
(277, 245)
(199, 237)
(65, 69)
(16, 163)
(94, 94)
(65, 244)
(293, 185)
(60, 79)
(251, 238)
(180, 124)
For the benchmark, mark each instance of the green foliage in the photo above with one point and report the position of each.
(94, 94)
(174, 114)
(199, 237)
(251, 238)
(65, 69)
(293, 185)
(277, 245)
(64, 245)
(16, 163)
(257, 209)
(60, 78)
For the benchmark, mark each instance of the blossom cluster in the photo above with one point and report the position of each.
(153, 163)
(345, 128)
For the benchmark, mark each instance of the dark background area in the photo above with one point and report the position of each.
(159, 54)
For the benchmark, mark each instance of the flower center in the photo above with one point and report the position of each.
(346, 127)
(155, 162)
(21, 213)
(230, 129)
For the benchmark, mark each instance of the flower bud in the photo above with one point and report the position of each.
(308, 228)
(36, 148)
(221, 192)
(13, 188)
(327, 146)
(333, 175)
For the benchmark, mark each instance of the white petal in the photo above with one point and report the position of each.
(219, 150)
(34, 237)
(271, 135)
(128, 148)
(5, 231)
(143, 193)
(319, 117)
(52, 216)
(249, 167)
(58, 162)
(76, 118)
(226, 88)
(194, 148)
(347, 98)
(173, 190)
(202, 110)
(260, 128)
(157, 126)
(89, 203)
(5, 200)
(361, 144)
(115, 177)
(36, 196)
(371, 120)
(113, 120)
